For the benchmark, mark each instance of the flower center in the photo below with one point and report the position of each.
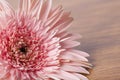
(23, 49)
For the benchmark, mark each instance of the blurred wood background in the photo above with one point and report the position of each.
(98, 21)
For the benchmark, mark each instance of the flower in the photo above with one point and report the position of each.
(34, 43)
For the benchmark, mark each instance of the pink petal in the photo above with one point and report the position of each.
(68, 76)
(54, 19)
(6, 12)
(70, 37)
(81, 76)
(79, 52)
(79, 63)
(78, 56)
(36, 7)
(55, 11)
(69, 44)
(54, 76)
(74, 69)
(62, 26)
(45, 10)
(68, 56)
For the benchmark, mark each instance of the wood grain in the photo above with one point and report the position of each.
(98, 21)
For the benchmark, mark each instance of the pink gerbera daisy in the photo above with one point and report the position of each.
(34, 43)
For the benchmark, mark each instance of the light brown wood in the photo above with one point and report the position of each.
(98, 21)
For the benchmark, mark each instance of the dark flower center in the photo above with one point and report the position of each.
(23, 49)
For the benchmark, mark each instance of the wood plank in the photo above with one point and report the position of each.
(98, 21)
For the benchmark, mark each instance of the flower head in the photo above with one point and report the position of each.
(34, 43)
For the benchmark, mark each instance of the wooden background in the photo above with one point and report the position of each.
(98, 21)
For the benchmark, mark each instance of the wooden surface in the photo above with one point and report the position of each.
(98, 21)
